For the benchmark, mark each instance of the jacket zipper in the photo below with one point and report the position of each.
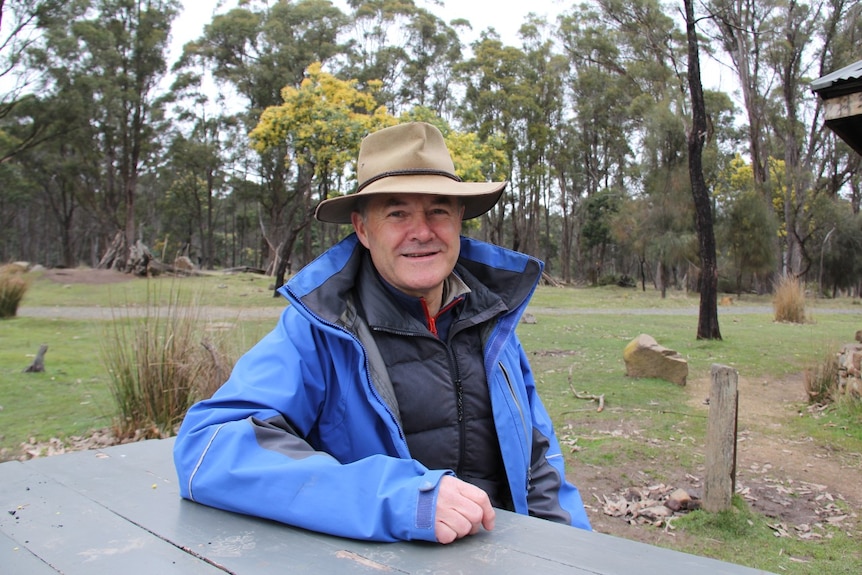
(527, 435)
(459, 394)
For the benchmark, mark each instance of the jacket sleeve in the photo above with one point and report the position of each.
(249, 449)
(549, 494)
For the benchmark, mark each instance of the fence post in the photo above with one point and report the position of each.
(720, 481)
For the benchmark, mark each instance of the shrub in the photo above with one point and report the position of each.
(159, 364)
(821, 381)
(13, 286)
(789, 300)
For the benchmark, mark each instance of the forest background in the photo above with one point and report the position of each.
(222, 154)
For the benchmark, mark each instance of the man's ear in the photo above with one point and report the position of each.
(359, 227)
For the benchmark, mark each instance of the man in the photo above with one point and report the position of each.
(393, 400)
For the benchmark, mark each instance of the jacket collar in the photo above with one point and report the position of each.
(324, 285)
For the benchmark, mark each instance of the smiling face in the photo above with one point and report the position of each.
(414, 240)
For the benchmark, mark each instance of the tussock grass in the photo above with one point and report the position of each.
(821, 379)
(158, 365)
(789, 300)
(13, 287)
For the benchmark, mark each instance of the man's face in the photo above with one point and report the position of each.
(414, 240)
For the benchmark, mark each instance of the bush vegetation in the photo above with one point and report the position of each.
(823, 389)
(159, 364)
(821, 379)
(13, 287)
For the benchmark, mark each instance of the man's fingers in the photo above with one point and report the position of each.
(461, 510)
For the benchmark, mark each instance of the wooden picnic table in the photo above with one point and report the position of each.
(118, 510)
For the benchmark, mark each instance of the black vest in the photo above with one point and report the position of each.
(440, 386)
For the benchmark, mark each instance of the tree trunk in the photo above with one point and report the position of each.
(707, 325)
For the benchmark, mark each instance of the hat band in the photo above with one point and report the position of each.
(415, 172)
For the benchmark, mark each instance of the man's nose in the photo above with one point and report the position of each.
(420, 228)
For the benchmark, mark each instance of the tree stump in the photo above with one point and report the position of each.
(38, 364)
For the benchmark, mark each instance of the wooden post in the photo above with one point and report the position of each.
(720, 481)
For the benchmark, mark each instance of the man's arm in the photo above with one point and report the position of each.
(247, 450)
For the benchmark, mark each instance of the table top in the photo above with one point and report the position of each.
(118, 510)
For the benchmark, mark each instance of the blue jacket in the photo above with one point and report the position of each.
(304, 431)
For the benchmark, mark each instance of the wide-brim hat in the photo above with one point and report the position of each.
(413, 159)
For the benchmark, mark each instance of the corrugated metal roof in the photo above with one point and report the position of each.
(851, 72)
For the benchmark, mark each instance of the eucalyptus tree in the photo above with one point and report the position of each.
(107, 57)
(628, 89)
(492, 80)
(810, 36)
(518, 92)
(408, 49)
(595, 146)
(539, 104)
(190, 206)
(432, 49)
(795, 23)
(776, 47)
(20, 25)
(707, 325)
(838, 167)
(253, 52)
(377, 51)
(740, 26)
(321, 123)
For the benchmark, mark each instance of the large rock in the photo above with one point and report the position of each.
(850, 370)
(644, 357)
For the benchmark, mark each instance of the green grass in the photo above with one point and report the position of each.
(577, 342)
(72, 397)
(748, 539)
(617, 298)
(69, 398)
(654, 416)
(242, 290)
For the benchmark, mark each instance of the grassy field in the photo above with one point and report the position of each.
(650, 431)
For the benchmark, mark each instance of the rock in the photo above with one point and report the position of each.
(655, 513)
(644, 357)
(528, 318)
(680, 500)
(850, 370)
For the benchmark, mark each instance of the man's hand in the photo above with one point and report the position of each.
(461, 509)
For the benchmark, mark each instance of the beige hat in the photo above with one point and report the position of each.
(409, 158)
